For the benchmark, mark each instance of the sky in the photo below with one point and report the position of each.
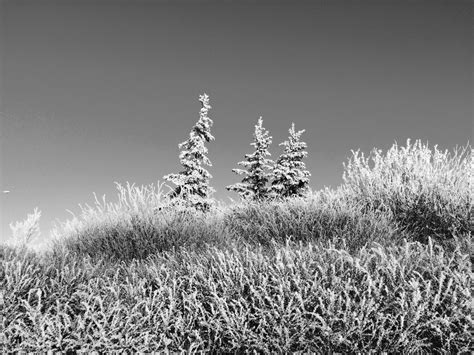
(97, 92)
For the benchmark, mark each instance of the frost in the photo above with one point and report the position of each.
(26, 231)
(290, 177)
(257, 175)
(192, 183)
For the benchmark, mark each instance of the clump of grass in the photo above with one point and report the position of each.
(325, 217)
(286, 298)
(27, 232)
(427, 191)
(140, 223)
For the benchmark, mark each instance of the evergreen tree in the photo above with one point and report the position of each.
(192, 183)
(254, 184)
(290, 177)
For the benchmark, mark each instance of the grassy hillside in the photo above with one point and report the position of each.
(383, 263)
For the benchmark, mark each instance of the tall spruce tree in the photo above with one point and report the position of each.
(254, 184)
(290, 177)
(192, 183)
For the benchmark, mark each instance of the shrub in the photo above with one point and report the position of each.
(427, 191)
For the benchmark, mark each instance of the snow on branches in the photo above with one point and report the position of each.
(257, 176)
(192, 183)
(290, 177)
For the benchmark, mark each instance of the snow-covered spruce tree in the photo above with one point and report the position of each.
(192, 183)
(257, 175)
(290, 177)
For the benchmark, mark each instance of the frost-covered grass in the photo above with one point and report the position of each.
(428, 192)
(411, 192)
(139, 224)
(24, 233)
(383, 263)
(286, 298)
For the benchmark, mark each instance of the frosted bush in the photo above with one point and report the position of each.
(427, 190)
(26, 231)
(408, 171)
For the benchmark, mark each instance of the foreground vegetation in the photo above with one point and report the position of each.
(383, 263)
(282, 299)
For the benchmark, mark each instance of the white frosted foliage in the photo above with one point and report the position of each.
(290, 177)
(257, 166)
(192, 183)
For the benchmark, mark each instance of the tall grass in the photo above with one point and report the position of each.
(27, 231)
(428, 191)
(324, 217)
(284, 299)
(140, 223)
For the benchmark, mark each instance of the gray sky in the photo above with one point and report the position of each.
(94, 92)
